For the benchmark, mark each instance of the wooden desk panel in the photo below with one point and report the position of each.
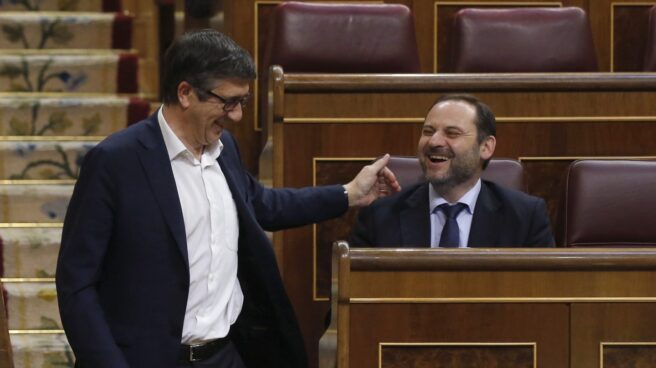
(577, 307)
(325, 127)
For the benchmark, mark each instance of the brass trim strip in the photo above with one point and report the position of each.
(315, 160)
(77, 95)
(12, 280)
(504, 300)
(503, 119)
(570, 158)
(31, 224)
(48, 138)
(37, 181)
(533, 345)
(67, 52)
(35, 332)
(437, 4)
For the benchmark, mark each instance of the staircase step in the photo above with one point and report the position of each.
(68, 71)
(42, 350)
(65, 30)
(32, 306)
(61, 115)
(30, 204)
(59, 5)
(29, 252)
(42, 160)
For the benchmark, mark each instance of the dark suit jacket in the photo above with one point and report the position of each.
(123, 274)
(502, 218)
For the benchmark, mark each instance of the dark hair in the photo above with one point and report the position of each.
(486, 124)
(201, 57)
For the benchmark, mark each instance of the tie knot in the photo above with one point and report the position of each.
(451, 211)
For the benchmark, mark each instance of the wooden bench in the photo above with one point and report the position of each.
(324, 128)
(567, 307)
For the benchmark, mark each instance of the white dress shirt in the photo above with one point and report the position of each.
(464, 218)
(212, 230)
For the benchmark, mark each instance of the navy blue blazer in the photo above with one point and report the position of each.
(123, 274)
(502, 218)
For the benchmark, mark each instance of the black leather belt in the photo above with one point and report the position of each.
(197, 352)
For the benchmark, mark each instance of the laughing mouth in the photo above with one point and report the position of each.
(438, 158)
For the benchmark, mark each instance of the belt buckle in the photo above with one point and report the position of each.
(191, 352)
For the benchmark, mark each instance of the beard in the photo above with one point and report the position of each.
(461, 168)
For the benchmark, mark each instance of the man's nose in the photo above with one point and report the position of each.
(236, 113)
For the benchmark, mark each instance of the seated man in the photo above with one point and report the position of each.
(454, 207)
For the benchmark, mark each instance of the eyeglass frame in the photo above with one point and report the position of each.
(229, 104)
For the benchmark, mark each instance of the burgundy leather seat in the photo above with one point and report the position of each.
(523, 40)
(503, 171)
(339, 38)
(650, 54)
(344, 38)
(610, 203)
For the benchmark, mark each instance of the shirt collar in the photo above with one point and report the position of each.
(468, 198)
(174, 145)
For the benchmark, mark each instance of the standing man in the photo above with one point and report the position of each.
(454, 207)
(164, 261)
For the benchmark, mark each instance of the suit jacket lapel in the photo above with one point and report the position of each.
(415, 219)
(157, 166)
(486, 224)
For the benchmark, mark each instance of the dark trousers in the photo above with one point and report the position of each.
(228, 357)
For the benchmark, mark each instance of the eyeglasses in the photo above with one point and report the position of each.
(229, 104)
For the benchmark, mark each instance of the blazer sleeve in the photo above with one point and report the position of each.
(85, 240)
(283, 208)
(540, 234)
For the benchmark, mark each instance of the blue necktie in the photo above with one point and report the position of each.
(450, 232)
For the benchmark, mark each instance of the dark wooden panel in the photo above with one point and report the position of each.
(542, 324)
(456, 356)
(594, 324)
(331, 172)
(619, 356)
(629, 36)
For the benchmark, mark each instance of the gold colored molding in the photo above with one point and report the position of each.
(501, 120)
(571, 158)
(51, 138)
(533, 345)
(612, 27)
(37, 181)
(19, 280)
(35, 332)
(437, 4)
(67, 52)
(22, 225)
(503, 300)
(315, 160)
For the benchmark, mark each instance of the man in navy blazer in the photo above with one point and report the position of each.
(456, 143)
(164, 261)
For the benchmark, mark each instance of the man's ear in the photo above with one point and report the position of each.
(487, 147)
(185, 92)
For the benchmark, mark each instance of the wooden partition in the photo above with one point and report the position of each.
(576, 308)
(618, 29)
(326, 127)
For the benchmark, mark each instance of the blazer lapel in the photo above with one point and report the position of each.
(157, 166)
(486, 224)
(415, 219)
